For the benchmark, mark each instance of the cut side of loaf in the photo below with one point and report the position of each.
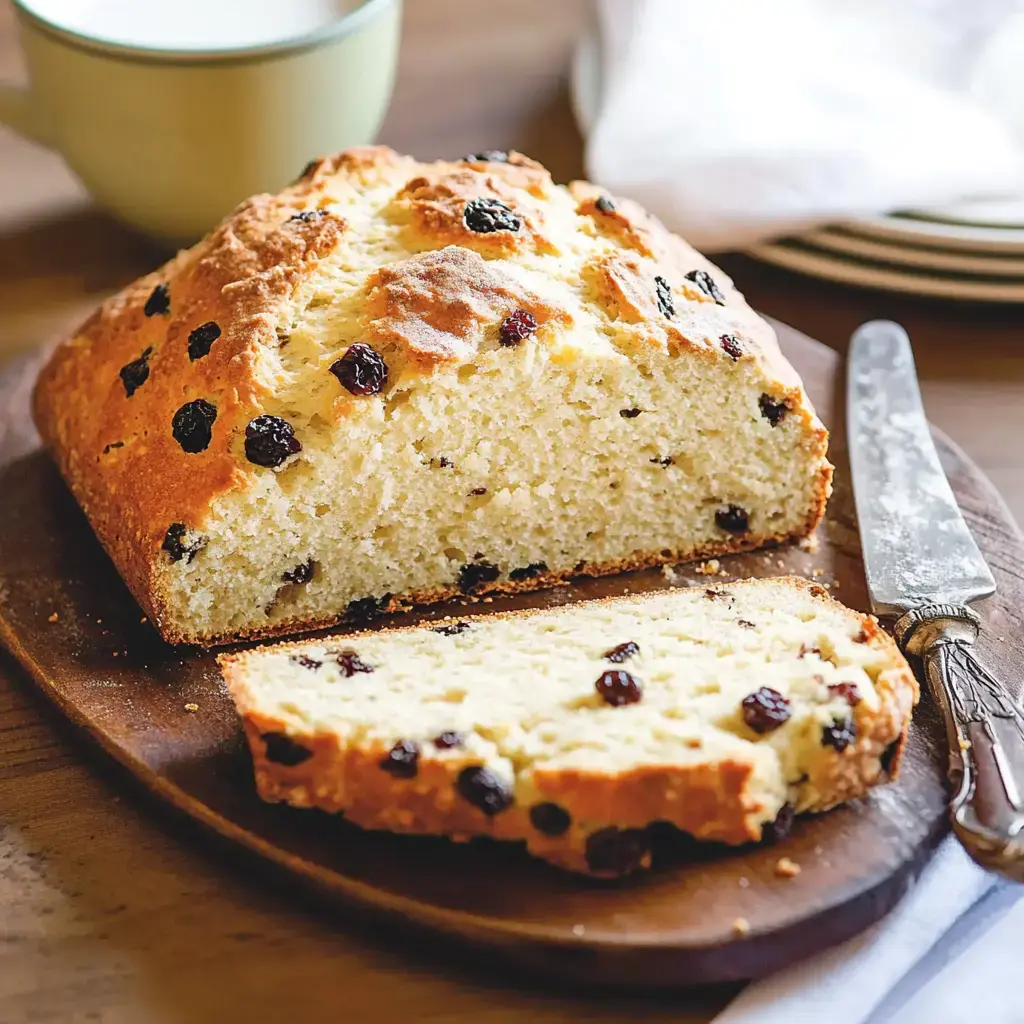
(587, 730)
(395, 382)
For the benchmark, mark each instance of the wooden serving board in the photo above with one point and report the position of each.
(68, 619)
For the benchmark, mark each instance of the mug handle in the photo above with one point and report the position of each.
(18, 111)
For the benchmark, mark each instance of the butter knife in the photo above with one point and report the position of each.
(923, 568)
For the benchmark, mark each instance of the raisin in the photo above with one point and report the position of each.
(308, 215)
(485, 216)
(488, 156)
(550, 819)
(516, 327)
(201, 340)
(475, 574)
(350, 663)
(664, 296)
(305, 661)
(765, 710)
(605, 204)
(528, 572)
(402, 760)
(622, 652)
(613, 851)
(477, 492)
(483, 789)
(731, 346)
(618, 688)
(159, 301)
(706, 283)
(847, 691)
(671, 845)
(269, 440)
(778, 829)
(772, 410)
(890, 757)
(302, 573)
(136, 373)
(452, 628)
(444, 462)
(365, 608)
(746, 624)
(361, 370)
(733, 519)
(192, 425)
(839, 734)
(629, 414)
(448, 740)
(179, 543)
(284, 750)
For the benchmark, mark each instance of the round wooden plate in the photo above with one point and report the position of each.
(71, 623)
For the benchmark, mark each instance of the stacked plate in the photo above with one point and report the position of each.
(972, 251)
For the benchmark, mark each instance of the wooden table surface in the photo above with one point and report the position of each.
(113, 909)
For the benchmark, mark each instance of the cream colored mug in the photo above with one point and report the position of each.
(169, 139)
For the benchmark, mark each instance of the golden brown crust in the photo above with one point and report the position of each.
(442, 305)
(437, 299)
(881, 735)
(116, 450)
(434, 203)
(709, 800)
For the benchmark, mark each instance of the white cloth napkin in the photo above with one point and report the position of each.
(739, 120)
(910, 968)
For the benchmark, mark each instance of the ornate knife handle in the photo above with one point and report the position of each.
(985, 729)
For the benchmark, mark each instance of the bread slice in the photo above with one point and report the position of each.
(395, 382)
(718, 710)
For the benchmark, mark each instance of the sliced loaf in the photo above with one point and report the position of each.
(717, 710)
(394, 382)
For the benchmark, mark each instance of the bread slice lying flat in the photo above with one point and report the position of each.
(718, 710)
(394, 382)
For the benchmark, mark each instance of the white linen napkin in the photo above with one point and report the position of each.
(903, 970)
(739, 120)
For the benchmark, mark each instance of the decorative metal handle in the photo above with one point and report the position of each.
(985, 729)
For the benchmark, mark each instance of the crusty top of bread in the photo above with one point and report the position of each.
(385, 241)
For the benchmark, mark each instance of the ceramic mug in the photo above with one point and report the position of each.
(170, 140)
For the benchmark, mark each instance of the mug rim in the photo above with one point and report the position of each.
(338, 28)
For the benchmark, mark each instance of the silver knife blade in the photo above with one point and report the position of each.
(917, 547)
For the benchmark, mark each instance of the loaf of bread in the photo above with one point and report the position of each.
(587, 730)
(395, 382)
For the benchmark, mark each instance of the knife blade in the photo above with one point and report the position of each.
(917, 547)
(922, 564)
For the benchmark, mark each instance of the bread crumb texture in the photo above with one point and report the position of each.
(395, 381)
(590, 732)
